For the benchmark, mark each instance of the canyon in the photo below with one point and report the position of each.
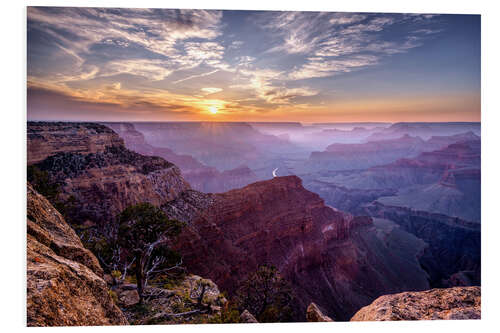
(341, 260)
(201, 177)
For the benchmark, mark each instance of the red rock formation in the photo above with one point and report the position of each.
(322, 251)
(135, 141)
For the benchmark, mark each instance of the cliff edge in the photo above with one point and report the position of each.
(64, 283)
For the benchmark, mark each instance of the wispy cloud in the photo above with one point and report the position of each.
(319, 67)
(327, 38)
(263, 83)
(77, 31)
(155, 69)
(211, 90)
(155, 29)
(195, 76)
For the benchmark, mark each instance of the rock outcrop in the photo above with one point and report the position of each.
(450, 303)
(49, 138)
(247, 317)
(454, 244)
(100, 183)
(314, 314)
(176, 303)
(330, 257)
(64, 282)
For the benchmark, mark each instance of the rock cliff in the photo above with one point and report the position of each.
(330, 257)
(340, 156)
(450, 303)
(64, 283)
(454, 244)
(49, 138)
(99, 183)
(314, 314)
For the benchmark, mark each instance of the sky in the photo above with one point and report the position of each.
(116, 64)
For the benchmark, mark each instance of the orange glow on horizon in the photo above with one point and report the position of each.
(164, 106)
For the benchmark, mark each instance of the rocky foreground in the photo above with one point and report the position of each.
(448, 303)
(64, 280)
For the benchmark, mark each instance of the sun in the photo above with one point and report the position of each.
(213, 109)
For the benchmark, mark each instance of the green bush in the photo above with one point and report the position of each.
(113, 295)
(41, 182)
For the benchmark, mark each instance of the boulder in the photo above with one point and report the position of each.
(314, 314)
(128, 298)
(446, 303)
(247, 317)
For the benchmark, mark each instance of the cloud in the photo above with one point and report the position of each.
(195, 76)
(164, 34)
(155, 70)
(114, 96)
(320, 67)
(261, 82)
(327, 39)
(157, 30)
(245, 61)
(204, 51)
(342, 18)
(236, 44)
(211, 90)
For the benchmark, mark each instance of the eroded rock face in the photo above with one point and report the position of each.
(247, 317)
(454, 244)
(49, 138)
(314, 314)
(329, 256)
(64, 282)
(101, 180)
(450, 303)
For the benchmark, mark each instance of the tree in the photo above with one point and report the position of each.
(144, 232)
(40, 180)
(267, 296)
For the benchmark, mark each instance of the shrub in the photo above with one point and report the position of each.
(267, 296)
